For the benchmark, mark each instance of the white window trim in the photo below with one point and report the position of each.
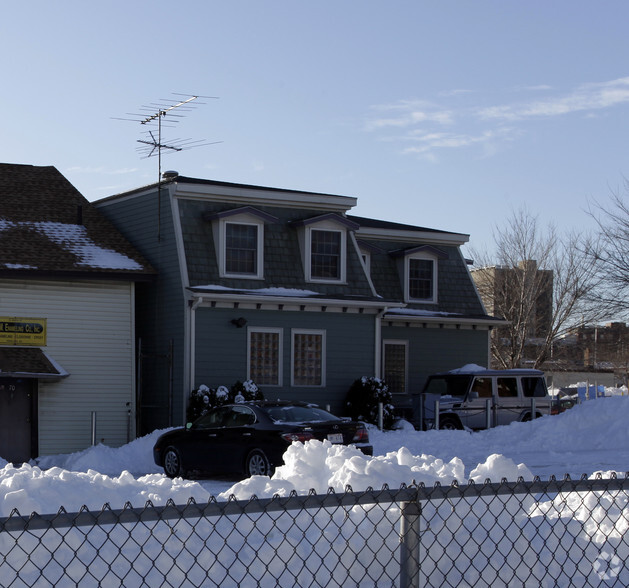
(280, 344)
(343, 255)
(404, 342)
(323, 356)
(407, 262)
(234, 220)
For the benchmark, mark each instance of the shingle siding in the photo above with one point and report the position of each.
(283, 260)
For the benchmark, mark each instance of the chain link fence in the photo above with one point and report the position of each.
(556, 533)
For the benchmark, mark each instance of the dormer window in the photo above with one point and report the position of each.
(421, 279)
(327, 254)
(323, 242)
(421, 272)
(239, 241)
(242, 249)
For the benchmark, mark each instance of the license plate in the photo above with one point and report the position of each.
(335, 437)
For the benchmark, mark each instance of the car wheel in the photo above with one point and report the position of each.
(257, 464)
(172, 463)
(449, 424)
(527, 417)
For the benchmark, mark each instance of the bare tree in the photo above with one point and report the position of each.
(611, 251)
(540, 282)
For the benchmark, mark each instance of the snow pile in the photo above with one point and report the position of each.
(590, 437)
(523, 537)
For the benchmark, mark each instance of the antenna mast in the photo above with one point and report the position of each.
(153, 145)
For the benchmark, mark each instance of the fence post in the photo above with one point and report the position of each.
(533, 409)
(409, 544)
(93, 428)
(437, 415)
(380, 416)
(488, 413)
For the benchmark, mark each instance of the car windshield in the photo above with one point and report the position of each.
(298, 414)
(448, 385)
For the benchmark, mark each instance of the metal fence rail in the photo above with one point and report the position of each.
(556, 533)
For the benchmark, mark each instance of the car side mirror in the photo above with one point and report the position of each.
(473, 395)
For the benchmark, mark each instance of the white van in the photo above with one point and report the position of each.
(476, 398)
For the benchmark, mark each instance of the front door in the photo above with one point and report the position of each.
(16, 401)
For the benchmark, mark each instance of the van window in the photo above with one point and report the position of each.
(448, 385)
(507, 387)
(483, 387)
(534, 387)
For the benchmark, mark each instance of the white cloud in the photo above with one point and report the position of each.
(410, 113)
(585, 98)
(431, 127)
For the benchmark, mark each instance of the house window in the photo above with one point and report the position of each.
(325, 254)
(325, 261)
(241, 249)
(421, 280)
(308, 358)
(395, 362)
(264, 356)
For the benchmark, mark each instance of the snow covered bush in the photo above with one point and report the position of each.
(247, 390)
(203, 398)
(199, 403)
(363, 398)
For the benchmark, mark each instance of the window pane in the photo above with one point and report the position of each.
(507, 387)
(307, 359)
(483, 387)
(325, 261)
(241, 248)
(420, 278)
(534, 387)
(264, 358)
(395, 367)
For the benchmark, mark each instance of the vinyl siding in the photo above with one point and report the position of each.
(90, 334)
(160, 307)
(435, 349)
(221, 350)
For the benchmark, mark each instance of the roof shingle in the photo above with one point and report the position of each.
(48, 226)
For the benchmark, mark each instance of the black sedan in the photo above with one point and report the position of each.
(251, 438)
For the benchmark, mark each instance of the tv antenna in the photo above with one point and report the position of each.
(152, 145)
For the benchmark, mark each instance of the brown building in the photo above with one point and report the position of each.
(521, 295)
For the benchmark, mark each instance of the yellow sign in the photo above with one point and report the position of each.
(22, 331)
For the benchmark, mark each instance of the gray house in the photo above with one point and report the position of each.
(285, 288)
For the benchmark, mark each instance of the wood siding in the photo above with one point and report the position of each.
(90, 334)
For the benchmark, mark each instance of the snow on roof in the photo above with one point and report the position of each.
(74, 238)
(420, 312)
(287, 292)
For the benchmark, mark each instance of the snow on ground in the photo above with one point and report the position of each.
(590, 437)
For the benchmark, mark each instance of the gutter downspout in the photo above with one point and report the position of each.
(192, 321)
(378, 343)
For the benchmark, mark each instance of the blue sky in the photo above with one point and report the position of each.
(445, 114)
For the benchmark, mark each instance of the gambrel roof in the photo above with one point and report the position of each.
(48, 228)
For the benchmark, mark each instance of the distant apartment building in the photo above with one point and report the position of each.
(505, 290)
(600, 346)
